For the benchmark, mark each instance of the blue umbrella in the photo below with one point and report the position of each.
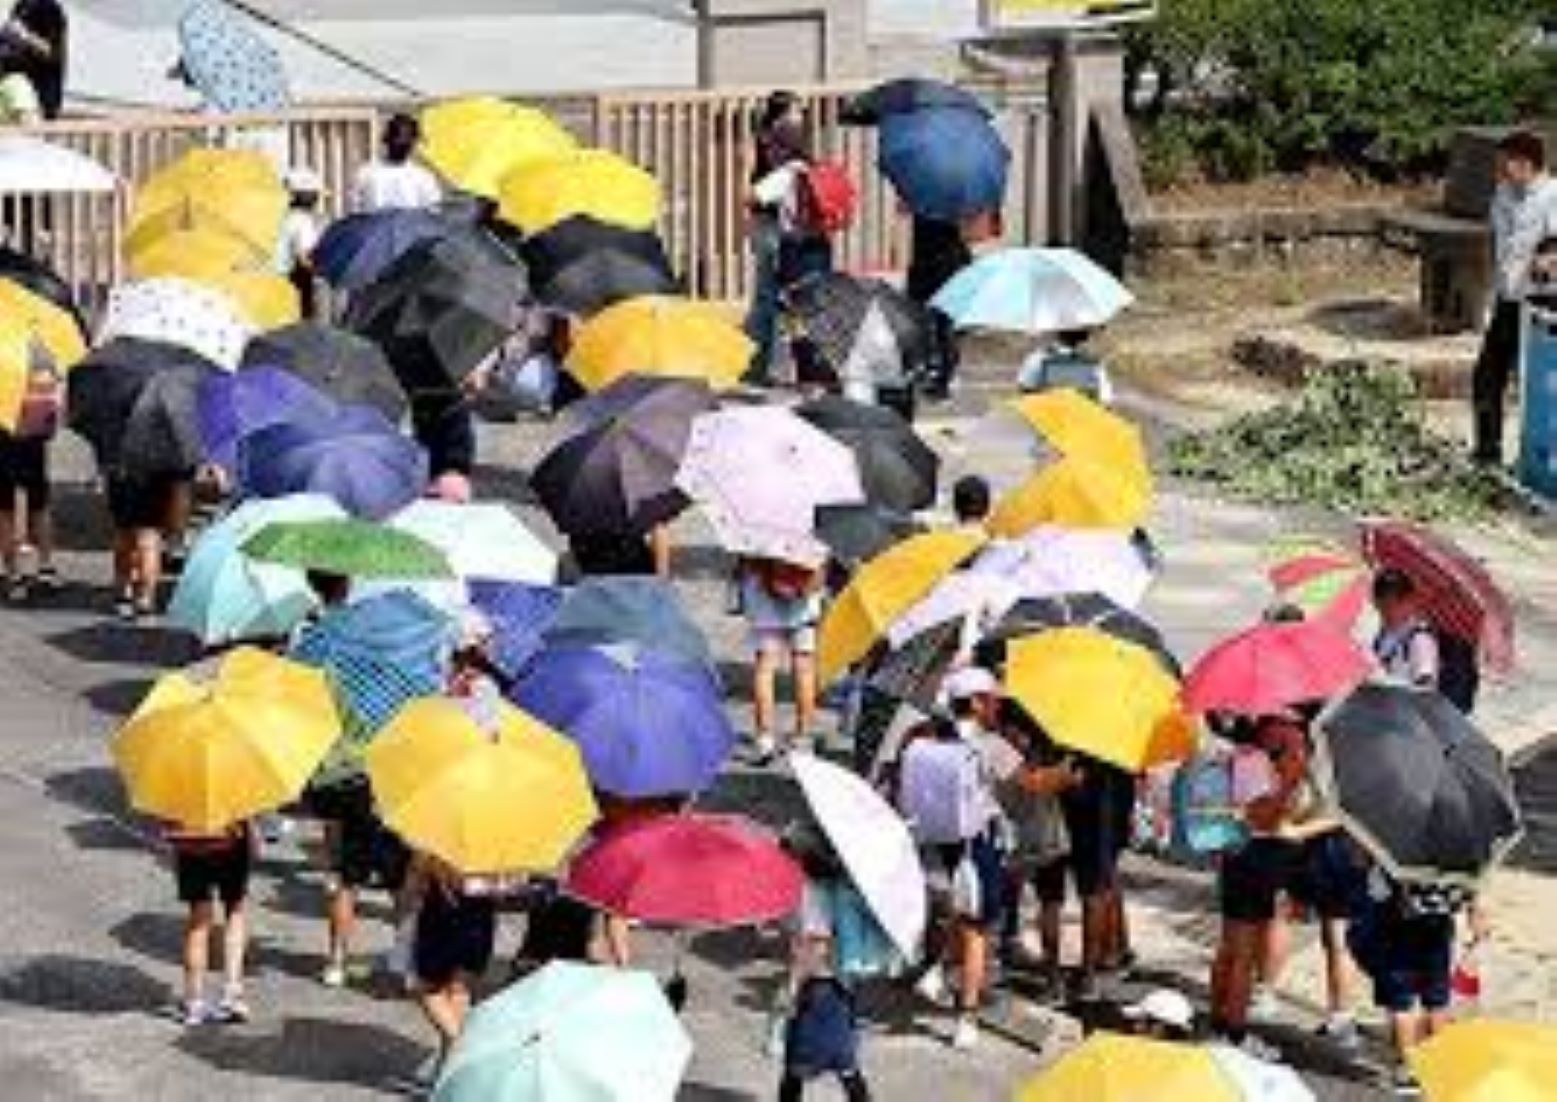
(228, 62)
(519, 615)
(647, 725)
(232, 406)
(357, 458)
(359, 248)
(946, 163)
(379, 655)
(632, 611)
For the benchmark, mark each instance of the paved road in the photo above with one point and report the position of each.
(89, 929)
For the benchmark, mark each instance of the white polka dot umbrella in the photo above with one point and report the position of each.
(182, 313)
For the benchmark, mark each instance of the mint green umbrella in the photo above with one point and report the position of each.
(353, 548)
(223, 597)
(570, 1033)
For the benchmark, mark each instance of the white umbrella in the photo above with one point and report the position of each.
(482, 540)
(34, 166)
(1260, 1081)
(1054, 562)
(180, 312)
(874, 844)
(983, 594)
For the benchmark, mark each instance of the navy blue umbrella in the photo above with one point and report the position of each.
(232, 406)
(647, 725)
(359, 248)
(946, 163)
(906, 96)
(357, 458)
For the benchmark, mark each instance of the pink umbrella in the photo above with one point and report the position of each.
(1272, 667)
(689, 870)
(760, 473)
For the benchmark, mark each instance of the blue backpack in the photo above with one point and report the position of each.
(1206, 820)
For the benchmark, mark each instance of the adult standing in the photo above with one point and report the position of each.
(938, 252)
(1524, 215)
(396, 181)
(777, 141)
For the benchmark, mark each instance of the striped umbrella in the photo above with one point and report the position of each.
(1461, 597)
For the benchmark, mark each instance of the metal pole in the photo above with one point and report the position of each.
(1065, 149)
(705, 43)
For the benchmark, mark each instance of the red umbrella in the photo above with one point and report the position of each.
(1269, 668)
(1460, 596)
(1327, 586)
(689, 870)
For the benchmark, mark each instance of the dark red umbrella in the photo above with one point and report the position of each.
(1460, 597)
(689, 870)
(1272, 667)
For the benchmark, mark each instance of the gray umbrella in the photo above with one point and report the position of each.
(632, 612)
(1416, 784)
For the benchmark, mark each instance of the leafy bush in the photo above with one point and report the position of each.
(1354, 440)
(1374, 85)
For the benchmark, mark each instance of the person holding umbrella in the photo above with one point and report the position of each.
(782, 603)
(396, 181)
(777, 136)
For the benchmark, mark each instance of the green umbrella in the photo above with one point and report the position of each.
(570, 1033)
(353, 548)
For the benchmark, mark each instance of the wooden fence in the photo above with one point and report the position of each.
(696, 142)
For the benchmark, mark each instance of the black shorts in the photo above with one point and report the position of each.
(1255, 877)
(364, 853)
(24, 465)
(142, 502)
(216, 873)
(1330, 879)
(454, 936)
(1409, 960)
(1097, 818)
(1048, 882)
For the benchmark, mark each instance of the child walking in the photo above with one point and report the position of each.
(211, 869)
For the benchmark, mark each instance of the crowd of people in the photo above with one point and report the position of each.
(1011, 818)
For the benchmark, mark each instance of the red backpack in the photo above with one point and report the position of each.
(827, 199)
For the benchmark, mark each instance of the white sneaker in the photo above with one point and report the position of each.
(1256, 1049)
(766, 749)
(966, 1035)
(932, 986)
(1263, 1007)
(194, 1012)
(1341, 1031)
(334, 974)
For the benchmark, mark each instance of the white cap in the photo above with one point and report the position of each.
(303, 181)
(969, 682)
(1164, 1006)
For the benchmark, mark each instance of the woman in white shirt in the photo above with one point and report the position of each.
(396, 182)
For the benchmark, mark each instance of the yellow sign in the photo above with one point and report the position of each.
(1005, 15)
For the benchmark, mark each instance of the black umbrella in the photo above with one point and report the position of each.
(616, 474)
(1416, 784)
(897, 469)
(1033, 615)
(905, 96)
(856, 533)
(582, 266)
(36, 276)
(347, 367)
(862, 329)
(440, 310)
(135, 402)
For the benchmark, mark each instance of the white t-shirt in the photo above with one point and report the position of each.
(384, 186)
(299, 236)
(780, 190)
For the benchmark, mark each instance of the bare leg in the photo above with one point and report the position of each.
(9, 544)
(197, 950)
(764, 691)
(1094, 933)
(148, 566)
(660, 548)
(1406, 1028)
(445, 1009)
(1233, 976)
(1118, 935)
(805, 694)
(181, 506)
(1339, 976)
(343, 923)
(41, 523)
(1051, 933)
(235, 947)
(618, 941)
(1275, 949)
(973, 948)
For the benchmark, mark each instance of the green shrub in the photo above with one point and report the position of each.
(1372, 85)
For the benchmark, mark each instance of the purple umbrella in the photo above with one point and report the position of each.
(359, 248)
(231, 407)
(647, 724)
(519, 615)
(357, 458)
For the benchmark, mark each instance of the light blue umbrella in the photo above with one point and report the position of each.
(570, 1033)
(225, 597)
(1033, 291)
(227, 60)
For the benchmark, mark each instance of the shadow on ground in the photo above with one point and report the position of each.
(315, 1050)
(1535, 780)
(80, 985)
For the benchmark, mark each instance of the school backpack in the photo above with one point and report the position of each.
(1203, 807)
(1459, 667)
(39, 416)
(826, 199)
(787, 581)
(941, 791)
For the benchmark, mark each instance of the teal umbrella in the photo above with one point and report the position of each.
(570, 1033)
(1033, 291)
(353, 548)
(223, 597)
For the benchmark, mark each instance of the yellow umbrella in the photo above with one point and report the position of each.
(265, 299)
(233, 190)
(1079, 428)
(1075, 493)
(197, 254)
(475, 142)
(1488, 1061)
(207, 755)
(1100, 696)
(1110, 1067)
(885, 588)
(593, 182)
(37, 339)
(655, 335)
(509, 800)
